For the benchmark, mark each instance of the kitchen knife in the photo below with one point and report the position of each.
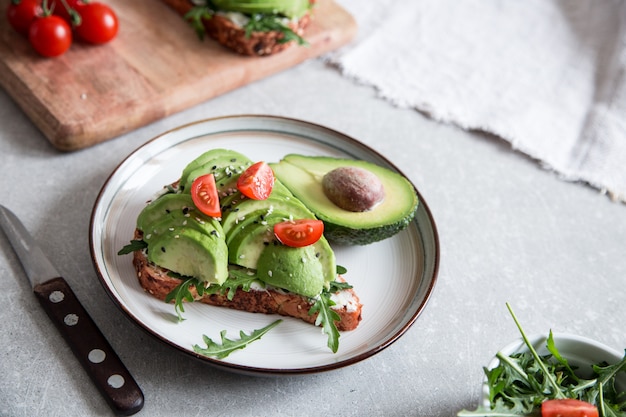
(81, 333)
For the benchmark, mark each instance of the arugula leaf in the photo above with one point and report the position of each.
(549, 377)
(228, 345)
(326, 317)
(195, 17)
(266, 23)
(182, 293)
(238, 278)
(337, 286)
(133, 246)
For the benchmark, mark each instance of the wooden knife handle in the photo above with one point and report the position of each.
(90, 346)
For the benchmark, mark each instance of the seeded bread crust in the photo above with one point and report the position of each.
(158, 283)
(232, 36)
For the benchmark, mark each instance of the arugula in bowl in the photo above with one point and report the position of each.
(548, 376)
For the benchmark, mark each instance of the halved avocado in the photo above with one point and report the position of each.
(303, 175)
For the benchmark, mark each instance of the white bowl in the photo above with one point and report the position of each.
(579, 351)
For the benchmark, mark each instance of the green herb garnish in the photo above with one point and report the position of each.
(133, 246)
(523, 381)
(243, 278)
(238, 278)
(267, 23)
(182, 293)
(326, 317)
(228, 345)
(195, 16)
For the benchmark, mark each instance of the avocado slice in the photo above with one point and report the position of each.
(191, 253)
(224, 168)
(238, 213)
(294, 269)
(166, 204)
(287, 8)
(303, 175)
(247, 242)
(178, 220)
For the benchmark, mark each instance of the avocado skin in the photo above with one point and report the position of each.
(303, 176)
(348, 236)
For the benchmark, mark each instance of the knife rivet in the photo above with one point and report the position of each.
(71, 319)
(56, 296)
(96, 356)
(116, 381)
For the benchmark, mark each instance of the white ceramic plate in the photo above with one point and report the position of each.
(393, 278)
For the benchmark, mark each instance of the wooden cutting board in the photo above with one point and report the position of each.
(156, 66)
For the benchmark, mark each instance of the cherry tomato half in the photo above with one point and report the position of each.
(204, 195)
(50, 35)
(299, 233)
(257, 181)
(98, 22)
(21, 13)
(568, 408)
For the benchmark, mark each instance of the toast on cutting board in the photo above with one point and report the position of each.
(227, 25)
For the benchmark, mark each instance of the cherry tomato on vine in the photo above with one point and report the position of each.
(299, 233)
(204, 195)
(50, 35)
(568, 407)
(21, 13)
(61, 10)
(98, 22)
(257, 181)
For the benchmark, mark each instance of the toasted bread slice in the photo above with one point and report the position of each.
(156, 281)
(233, 36)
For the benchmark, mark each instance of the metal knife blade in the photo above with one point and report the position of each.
(81, 333)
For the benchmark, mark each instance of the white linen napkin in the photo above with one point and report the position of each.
(548, 76)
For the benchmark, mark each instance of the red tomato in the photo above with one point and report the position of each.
(299, 233)
(204, 195)
(50, 35)
(257, 181)
(98, 22)
(568, 408)
(21, 14)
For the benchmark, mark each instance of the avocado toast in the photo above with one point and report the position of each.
(235, 259)
(248, 27)
(231, 233)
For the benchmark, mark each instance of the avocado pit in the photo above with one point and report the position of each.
(352, 188)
